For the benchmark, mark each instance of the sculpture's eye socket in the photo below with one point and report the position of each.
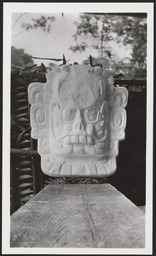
(68, 114)
(91, 114)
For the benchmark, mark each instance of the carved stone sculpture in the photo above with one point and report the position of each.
(78, 117)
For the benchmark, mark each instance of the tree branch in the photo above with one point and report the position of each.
(19, 33)
(18, 19)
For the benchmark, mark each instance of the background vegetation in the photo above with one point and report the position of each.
(104, 33)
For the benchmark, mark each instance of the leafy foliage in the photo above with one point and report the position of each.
(19, 57)
(89, 28)
(97, 31)
(43, 23)
(134, 32)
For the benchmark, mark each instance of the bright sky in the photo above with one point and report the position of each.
(57, 42)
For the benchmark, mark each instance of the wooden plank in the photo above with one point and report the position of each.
(79, 215)
(23, 152)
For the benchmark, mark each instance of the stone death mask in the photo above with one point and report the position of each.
(78, 117)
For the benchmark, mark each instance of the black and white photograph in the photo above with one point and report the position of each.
(77, 128)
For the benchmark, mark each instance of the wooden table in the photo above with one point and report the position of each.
(79, 215)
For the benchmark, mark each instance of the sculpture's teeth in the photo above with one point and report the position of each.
(89, 140)
(82, 139)
(74, 139)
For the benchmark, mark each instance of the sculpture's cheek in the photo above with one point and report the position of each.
(90, 129)
(100, 129)
(56, 123)
(65, 150)
(67, 129)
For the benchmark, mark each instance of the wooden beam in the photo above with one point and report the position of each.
(29, 152)
(79, 215)
(131, 14)
(130, 82)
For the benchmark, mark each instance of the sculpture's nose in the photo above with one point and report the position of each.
(78, 124)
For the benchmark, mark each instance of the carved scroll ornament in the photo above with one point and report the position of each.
(78, 118)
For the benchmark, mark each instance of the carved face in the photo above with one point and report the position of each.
(79, 115)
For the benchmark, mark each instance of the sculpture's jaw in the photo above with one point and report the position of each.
(54, 166)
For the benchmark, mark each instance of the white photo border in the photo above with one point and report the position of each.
(8, 9)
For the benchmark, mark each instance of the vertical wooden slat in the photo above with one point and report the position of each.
(15, 198)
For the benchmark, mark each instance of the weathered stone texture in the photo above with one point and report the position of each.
(78, 117)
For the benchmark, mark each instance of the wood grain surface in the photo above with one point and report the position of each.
(79, 215)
